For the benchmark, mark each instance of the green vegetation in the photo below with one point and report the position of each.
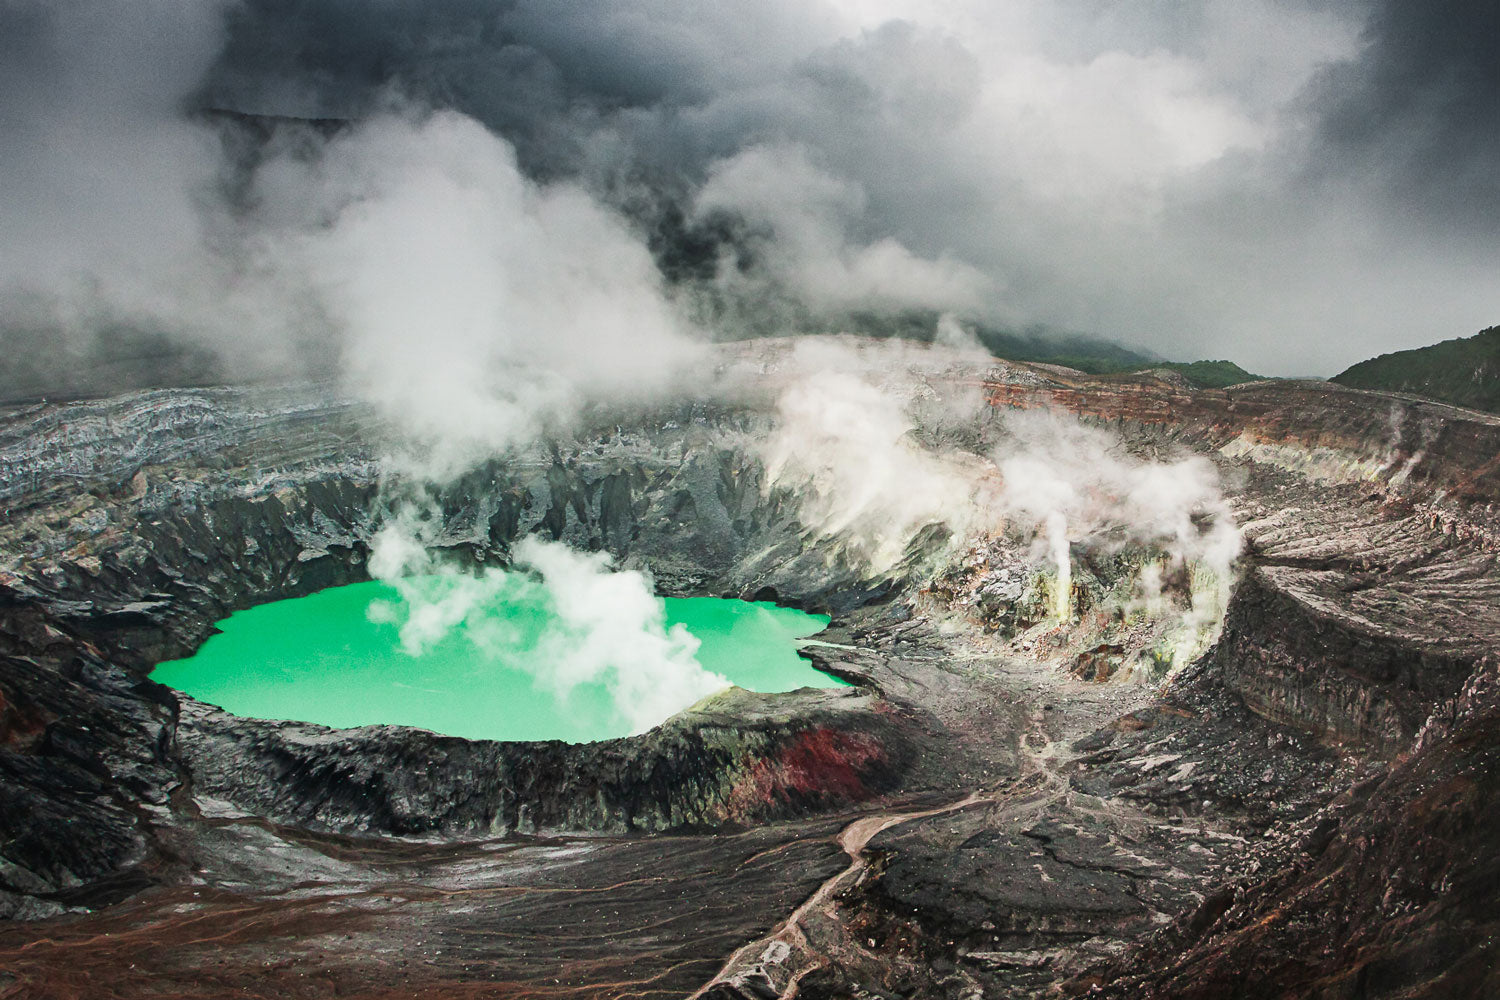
(1072, 350)
(1103, 358)
(1464, 372)
(1203, 374)
(1212, 374)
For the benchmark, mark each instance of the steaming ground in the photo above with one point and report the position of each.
(849, 449)
(883, 456)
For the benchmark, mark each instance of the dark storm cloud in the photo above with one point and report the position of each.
(341, 58)
(542, 74)
(100, 173)
(1275, 181)
(1419, 112)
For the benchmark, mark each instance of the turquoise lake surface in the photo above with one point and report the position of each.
(336, 657)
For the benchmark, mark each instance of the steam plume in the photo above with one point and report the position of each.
(605, 626)
(850, 450)
(476, 309)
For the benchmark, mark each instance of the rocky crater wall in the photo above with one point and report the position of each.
(231, 502)
(1368, 590)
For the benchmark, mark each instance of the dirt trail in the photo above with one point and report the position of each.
(756, 961)
(774, 965)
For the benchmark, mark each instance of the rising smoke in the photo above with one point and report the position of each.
(844, 443)
(476, 308)
(603, 626)
(470, 305)
(849, 448)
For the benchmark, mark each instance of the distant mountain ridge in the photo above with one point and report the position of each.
(1464, 372)
(1203, 374)
(1040, 344)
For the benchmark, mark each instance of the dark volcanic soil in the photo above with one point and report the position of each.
(1002, 807)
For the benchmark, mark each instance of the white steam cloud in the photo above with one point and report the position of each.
(1085, 488)
(847, 450)
(844, 442)
(476, 309)
(470, 306)
(850, 450)
(112, 214)
(605, 626)
(1054, 466)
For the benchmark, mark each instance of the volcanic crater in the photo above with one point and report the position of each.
(1011, 799)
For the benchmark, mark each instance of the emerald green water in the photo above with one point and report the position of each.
(336, 657)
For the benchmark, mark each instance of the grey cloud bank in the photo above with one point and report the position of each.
(1294, 185)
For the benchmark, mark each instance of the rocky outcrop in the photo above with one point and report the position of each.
(84, 767)
(1292, 654)
(738, 758)
(1390, 892)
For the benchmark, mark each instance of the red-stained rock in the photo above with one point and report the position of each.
(824, 765)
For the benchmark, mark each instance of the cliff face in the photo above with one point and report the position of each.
(83, 765)
(742, 758)
(1391, 893)
(999, 807)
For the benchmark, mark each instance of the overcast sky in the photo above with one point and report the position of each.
(1295, 185)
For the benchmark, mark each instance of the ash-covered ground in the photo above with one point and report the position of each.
(1112, 756)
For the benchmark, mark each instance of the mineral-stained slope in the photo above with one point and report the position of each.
(1371, 590)
(1002, 806)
